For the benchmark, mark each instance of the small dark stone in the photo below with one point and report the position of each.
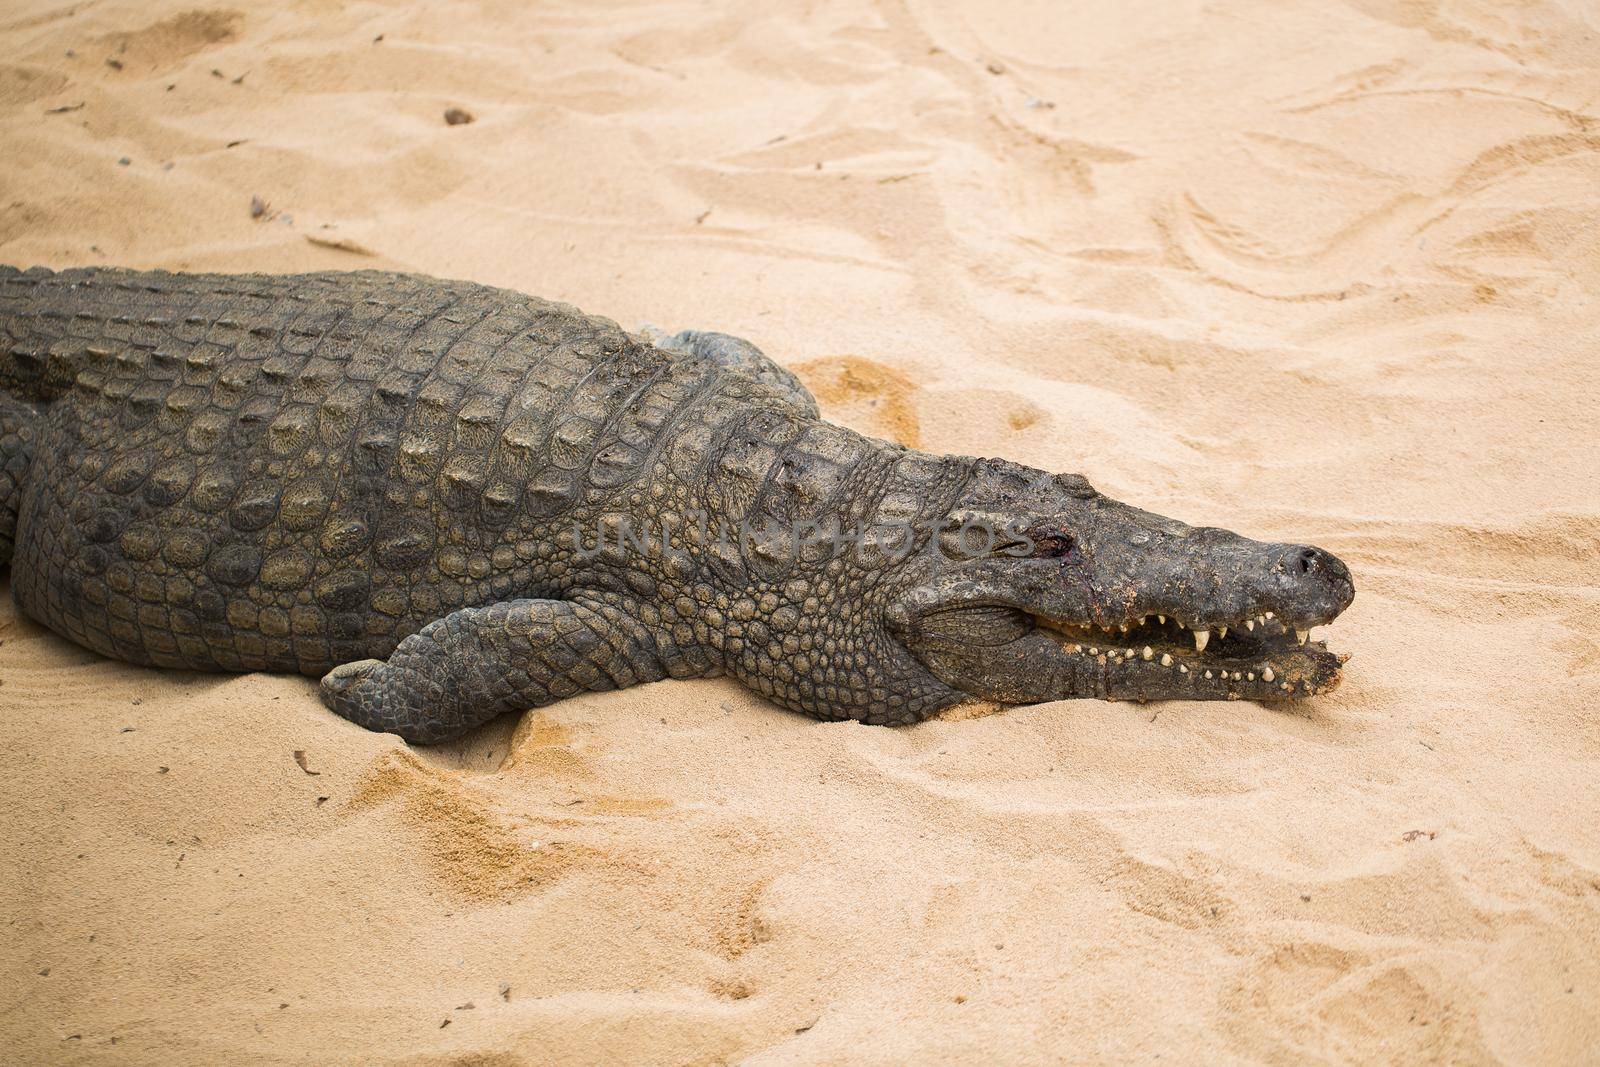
(457, 117)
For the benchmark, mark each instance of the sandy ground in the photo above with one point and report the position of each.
(1313, 271)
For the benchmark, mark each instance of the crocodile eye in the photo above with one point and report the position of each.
(1051, 545)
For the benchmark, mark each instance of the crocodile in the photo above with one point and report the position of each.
(450, 501)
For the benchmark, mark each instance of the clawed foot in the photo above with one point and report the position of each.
(735, 354)
(464, 669)
(379, 696)
(339, 681)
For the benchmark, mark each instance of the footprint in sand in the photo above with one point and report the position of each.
(165, 44)
(1306, 1001)
(865, 396)
(23, 85)
(737, 925)
(474, 851)
(1167, 894)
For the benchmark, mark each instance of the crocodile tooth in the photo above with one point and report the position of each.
(1268, 615)
(1182, 669)
(1301, 635)
(1222, 631)
(1166, 660)
(1267, 675)
(1200, 639)
(1249, 624)
(1162, 619)
(1208, 674)
(1251, 675)
(1149, 653)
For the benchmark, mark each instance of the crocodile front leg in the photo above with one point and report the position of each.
(738, 355)
(474, 664)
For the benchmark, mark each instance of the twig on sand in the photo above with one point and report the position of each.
(340, 244)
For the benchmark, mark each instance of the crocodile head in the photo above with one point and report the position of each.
(1047, 590)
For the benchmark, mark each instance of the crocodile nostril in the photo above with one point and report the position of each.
(1320, 574)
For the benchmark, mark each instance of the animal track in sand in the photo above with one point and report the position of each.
(1025, 415)
(23, 85)
(730, 989)
(1047, 178)
(1306, 1000)
(1581, 650)
(1544, 550)
(555, 756)
(1166, 894)
(1571, 883)
(475, 852)
(736, 925)
(1513, 157)
(1478, 26)
(165, 44)
(544, 747)
(866, 395)
(740, 928)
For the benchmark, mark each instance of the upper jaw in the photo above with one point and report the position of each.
(1241, 634)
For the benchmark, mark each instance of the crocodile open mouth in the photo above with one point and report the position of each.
(1257, 658)
(1002, 651)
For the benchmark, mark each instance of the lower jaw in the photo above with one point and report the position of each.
(1262, 667)
(1306, 671)
(1037, 668)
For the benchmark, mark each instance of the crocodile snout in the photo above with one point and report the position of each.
(1315, 584)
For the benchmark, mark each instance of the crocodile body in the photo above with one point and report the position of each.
(452, 501)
